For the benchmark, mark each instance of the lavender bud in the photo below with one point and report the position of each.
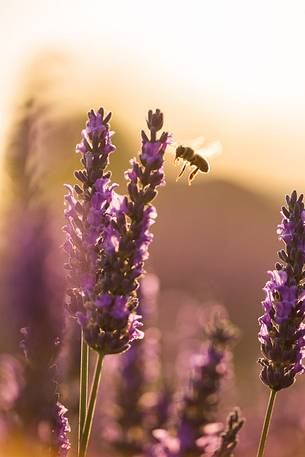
(154, 122)
(229, 436)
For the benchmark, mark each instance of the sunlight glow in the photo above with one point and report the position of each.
(237, 66)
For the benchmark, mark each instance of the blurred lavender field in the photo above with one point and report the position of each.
(213, 243)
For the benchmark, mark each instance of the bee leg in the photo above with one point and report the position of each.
(192, 175)
(182, 171)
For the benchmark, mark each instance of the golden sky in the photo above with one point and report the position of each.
(227, 70)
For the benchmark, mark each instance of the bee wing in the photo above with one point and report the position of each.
(196, 143)
(172, 147)
(211, 150)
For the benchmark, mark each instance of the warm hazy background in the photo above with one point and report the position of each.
(232, 71)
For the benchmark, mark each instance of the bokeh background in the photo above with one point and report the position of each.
(228, 71)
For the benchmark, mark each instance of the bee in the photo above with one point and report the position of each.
(192, 155)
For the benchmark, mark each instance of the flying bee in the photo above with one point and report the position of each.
(193, 155)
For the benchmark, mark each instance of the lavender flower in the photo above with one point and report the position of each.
(282, 331)
(108, 235)
(196, 427)
(200, 400)
(86, 214)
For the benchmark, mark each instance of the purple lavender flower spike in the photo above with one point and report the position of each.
(282, 330)
(200, 400)
(195, 430)
(86, 208)
(108, 235)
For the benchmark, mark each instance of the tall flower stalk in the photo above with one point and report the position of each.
(107, 243)
(282, 330)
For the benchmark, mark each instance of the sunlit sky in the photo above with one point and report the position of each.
(228, 70)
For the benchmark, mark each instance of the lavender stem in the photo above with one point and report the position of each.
(91, 406)
(83, 387)
(267, 421)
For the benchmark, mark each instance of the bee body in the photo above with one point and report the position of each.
(192, 158)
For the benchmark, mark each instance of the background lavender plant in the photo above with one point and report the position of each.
(200, 400)
(142, 400)
(35, 290)
(197, 412)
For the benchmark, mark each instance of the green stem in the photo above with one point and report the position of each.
(91, 406)
(267, 421)
(83, 387)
